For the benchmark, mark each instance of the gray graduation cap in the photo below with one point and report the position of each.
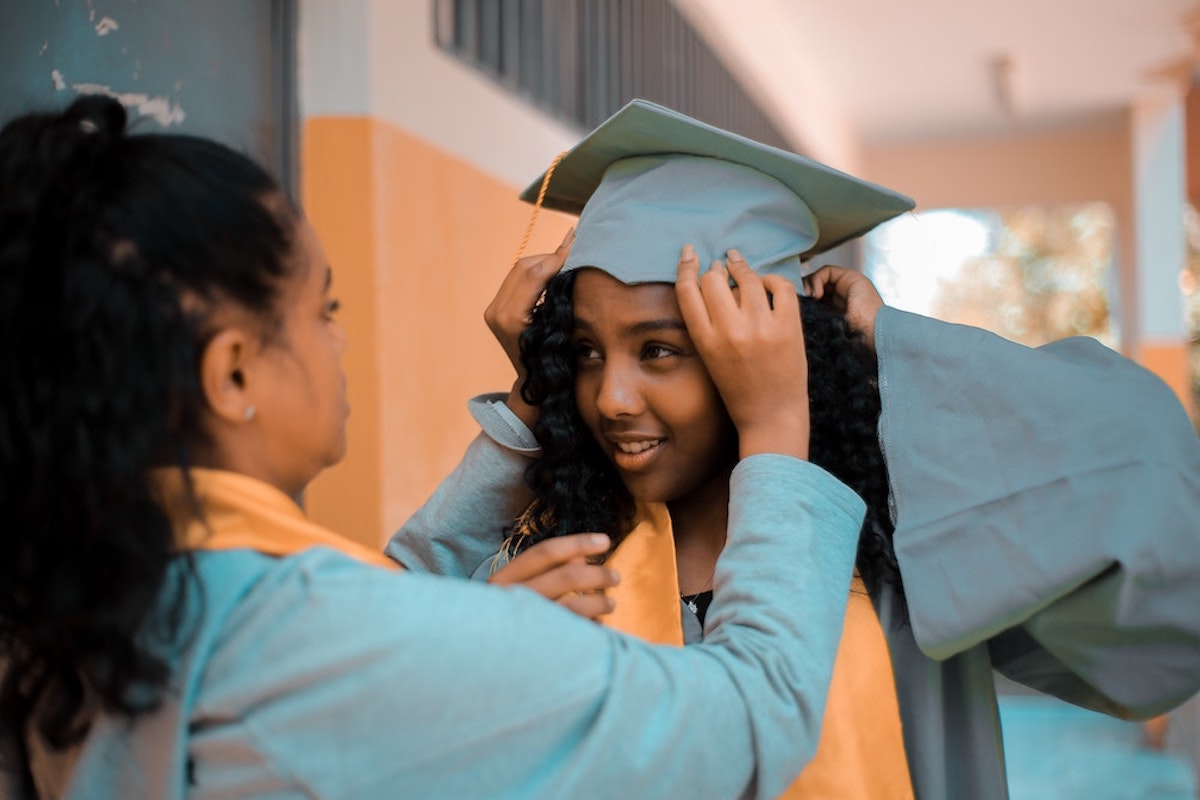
(649, 180)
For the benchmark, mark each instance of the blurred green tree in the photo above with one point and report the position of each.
(1045, 276)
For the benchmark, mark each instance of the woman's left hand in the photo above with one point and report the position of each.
(752, 343)
(559, 570)
(849, 292)
(508, 315)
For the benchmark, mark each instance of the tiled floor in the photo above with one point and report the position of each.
(1056, 751)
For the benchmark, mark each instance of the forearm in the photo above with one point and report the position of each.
(787, 592)
(466, 689)
(462, 523)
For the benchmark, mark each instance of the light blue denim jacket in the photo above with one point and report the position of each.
(315, 675)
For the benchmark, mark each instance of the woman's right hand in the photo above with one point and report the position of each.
(752, 343)
(510, 312)
(559, 570)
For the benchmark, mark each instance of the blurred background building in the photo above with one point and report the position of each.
(1053, 149)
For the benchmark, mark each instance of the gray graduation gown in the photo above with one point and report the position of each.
(1047, 509)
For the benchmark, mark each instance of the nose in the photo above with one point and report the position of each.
(619, 393)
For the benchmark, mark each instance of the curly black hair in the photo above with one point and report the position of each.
(113, 250)
(576, 488)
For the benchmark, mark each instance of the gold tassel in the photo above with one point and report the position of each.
(537, 206)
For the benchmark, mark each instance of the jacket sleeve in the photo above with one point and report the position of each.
(462, 524)
(447, 688)
(1047, 502)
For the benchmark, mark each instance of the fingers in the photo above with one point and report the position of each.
(558, 569)
(851, 293)
(511, 309)
(550, 554)
(783, 298)
(751, 340)
(688, 294)
(591, 606)
(833, 281)
(523, 285)
(565, 247)
(568, 581)
(826, 277)
(751, 295)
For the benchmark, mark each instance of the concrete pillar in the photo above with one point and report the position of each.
(1154, 327)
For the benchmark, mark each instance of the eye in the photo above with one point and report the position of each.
(586, 353)
(657, 351)
(332, 306)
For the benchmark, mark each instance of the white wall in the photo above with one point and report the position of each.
(378, 58)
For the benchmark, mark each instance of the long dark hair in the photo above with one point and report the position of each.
(114, 249)
(576, 488)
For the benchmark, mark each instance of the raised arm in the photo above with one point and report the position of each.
(1047, 502)
(466, 690)
(462, 523)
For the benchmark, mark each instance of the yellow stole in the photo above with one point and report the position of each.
(860, 755)
(244, 512)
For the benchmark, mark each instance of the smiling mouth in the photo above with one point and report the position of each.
(636, 456)
(633, 448)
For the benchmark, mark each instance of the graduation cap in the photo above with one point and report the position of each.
(649, 180)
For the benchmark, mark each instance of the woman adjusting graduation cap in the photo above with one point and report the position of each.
(1030, 511)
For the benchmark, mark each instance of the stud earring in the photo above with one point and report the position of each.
(250, 411)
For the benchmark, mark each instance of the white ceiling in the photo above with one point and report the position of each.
(890, 70)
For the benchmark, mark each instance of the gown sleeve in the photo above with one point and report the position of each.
(1047, 503)
(449, 688)
(462, 523)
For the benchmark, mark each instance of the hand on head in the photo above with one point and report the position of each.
(509, 312)
(559, 570)
(752, 343)
(851, 293)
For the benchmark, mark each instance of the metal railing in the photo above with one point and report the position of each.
(581, 60)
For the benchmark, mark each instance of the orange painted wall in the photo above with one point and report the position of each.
(336, 178)
(1171, 362)
(419, 241)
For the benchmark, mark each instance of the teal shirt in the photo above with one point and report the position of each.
(315, 675)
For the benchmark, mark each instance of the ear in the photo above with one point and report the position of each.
(223, 368)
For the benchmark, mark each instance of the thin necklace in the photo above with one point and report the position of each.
(689, 600)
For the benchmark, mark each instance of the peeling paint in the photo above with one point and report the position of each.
(106, 25)
(60, 82)
(159, 108)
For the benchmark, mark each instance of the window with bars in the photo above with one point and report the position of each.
(581, 60)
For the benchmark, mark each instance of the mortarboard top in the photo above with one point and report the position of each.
(649, 179)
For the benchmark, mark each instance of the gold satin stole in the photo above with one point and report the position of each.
(244, 512)
(860, 755)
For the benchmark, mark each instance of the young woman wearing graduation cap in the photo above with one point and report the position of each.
(171, 624)
(1030, 511)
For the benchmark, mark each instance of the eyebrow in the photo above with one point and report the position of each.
(645, 326)
(328, 277)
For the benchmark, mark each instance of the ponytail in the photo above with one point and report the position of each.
(112, 249)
